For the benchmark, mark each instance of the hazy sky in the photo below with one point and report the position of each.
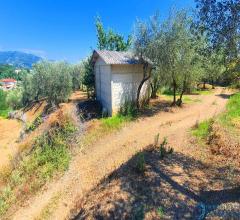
(64, 29)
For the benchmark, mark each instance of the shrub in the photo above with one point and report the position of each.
(50, 80)
(14, 98)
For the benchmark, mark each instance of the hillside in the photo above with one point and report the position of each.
(18, 59)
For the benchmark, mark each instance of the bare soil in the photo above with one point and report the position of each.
(9, 133)
(179, 178)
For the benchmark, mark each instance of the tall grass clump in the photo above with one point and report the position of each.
(50, 155)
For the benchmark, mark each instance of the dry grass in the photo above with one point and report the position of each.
(49, 208)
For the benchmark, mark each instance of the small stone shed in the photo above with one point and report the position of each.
(117, 77)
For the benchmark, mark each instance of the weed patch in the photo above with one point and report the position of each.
(32, 126)
(50, 155)
(202, 129)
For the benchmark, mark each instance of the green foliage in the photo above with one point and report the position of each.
(3, 104)
(14, 98)
(28, 90)
(109, 40)
(50, 155)
(219, 20)
(88, 76)
(212, 65)
(77, 72)
(129, 109)
(51, 80)
(4, 108)
(140, 162)
(163, 147)
(232, 114)
(160, 212)
(157, 80)
(128, 112)
(202, 129)
(32, 126)
(173, 50)
(8, 71)
(114, 122)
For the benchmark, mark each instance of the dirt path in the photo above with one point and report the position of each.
(98, 161)
(9, 134)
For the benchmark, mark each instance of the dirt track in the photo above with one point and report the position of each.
(88, 168)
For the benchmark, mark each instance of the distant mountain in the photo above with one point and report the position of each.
(18, 59)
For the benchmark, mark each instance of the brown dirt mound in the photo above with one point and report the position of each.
(223, 143)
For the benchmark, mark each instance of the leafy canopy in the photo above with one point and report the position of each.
(110, 40)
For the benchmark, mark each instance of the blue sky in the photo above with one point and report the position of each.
(64, 29)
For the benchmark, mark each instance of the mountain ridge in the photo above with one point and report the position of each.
(18, 58)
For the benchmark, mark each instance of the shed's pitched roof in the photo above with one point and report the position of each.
(116, 57)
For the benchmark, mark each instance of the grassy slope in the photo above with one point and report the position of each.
(230, 118)
(50, 155)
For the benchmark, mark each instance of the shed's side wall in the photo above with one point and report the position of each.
(125, 82)
(103, 84)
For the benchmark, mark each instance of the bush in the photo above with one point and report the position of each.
(14, 98)
(50, 80)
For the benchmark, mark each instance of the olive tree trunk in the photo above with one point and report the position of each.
(146, 77)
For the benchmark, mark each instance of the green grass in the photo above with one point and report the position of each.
(230, 118)
(4, 113)
(49, 208)
(202, 129)
(115, 122)
(232, 113)
(50, 156)
(168, 94)
(203, 92)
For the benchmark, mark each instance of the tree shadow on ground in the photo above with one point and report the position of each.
(170, 188)
(224, 96)
(156, 105)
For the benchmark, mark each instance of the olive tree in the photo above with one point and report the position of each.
(178, 53)
(77, 72)
(144, 49)
(50, 80)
